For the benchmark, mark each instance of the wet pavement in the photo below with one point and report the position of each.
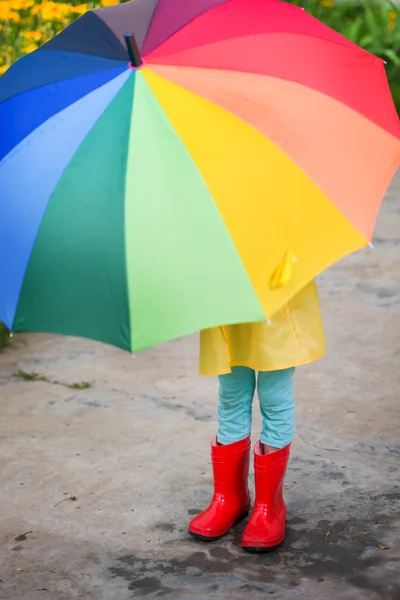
(133, 450)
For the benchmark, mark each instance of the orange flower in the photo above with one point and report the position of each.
(392, 16)
(52, 11)
(7, 13)
(21, 4)
(32, 36)
(80, 9)
(30, 48)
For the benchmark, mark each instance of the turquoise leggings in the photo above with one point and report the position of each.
(275, 393)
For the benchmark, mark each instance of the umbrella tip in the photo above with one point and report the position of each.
(133, 50)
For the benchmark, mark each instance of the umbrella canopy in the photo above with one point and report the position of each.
(243, 149)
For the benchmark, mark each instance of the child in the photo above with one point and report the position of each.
(235, 353)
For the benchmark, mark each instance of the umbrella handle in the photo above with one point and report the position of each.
(133, 50)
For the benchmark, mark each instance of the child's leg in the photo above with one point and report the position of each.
(236, 392)
(266, 527)
(230, 455)
(276, 395)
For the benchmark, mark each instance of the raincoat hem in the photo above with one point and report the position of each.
(297, 363)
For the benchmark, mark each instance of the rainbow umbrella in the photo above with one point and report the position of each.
(197, 172)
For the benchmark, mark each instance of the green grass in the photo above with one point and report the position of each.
(81, 385)
(4, 336)
(33, 376)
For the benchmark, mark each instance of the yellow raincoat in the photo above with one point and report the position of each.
(294, 337)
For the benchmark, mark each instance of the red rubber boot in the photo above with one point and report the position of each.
(266, 527)
(231, 500)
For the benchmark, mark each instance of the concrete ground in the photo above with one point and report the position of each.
(133, 450)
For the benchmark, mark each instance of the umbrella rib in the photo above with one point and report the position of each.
(153, 68)
(280, 147)
(43, 85)
(255, 35)
(179, 28)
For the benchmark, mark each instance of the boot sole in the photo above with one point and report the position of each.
(262, 549)
(208, 538)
